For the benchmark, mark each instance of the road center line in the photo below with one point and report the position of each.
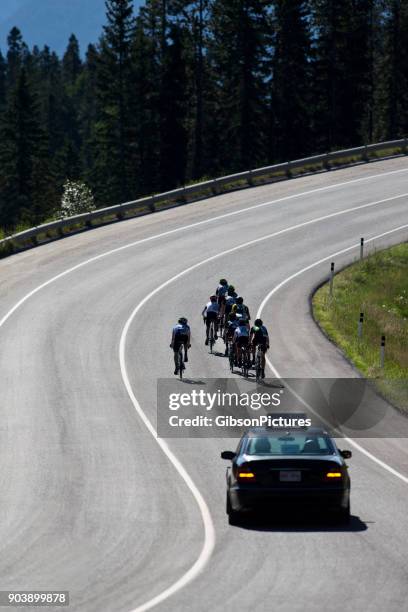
(191, 226)
(208, 525)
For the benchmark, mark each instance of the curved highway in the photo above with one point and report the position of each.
(90, 501)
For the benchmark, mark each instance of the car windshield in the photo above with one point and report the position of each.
(290, 444)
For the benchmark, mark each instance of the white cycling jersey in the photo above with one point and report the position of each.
(211, 307)
(241, 332)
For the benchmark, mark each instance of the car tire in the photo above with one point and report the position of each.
(343, 515)
(233, 515)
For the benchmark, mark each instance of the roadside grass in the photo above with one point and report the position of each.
(378, 287)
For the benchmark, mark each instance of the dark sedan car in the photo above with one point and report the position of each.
(295, 469)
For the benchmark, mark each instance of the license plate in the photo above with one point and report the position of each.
(291, 476)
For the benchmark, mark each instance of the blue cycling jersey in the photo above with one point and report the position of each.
(181, 330)
(232, 325)
(230, 299)
(221, 290)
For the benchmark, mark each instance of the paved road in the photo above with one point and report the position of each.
(90, 503)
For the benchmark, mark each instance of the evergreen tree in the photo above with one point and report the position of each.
(392, 74)
(201, 86)
(238, 51)
(3, 69)
(70, 155)
(71, 62)
(114, 175)
(290, 84)
(173, 113)
(88, 109)
(26, 192)
(52, 103)
(146, 61)
(363, 38)
(196, 87)
(192, 16)
(342, 69)
(16, 55)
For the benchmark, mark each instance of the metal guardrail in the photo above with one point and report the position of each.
(51, 231)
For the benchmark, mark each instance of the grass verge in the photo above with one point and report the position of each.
(378, 287)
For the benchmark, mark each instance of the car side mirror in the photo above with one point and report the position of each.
(230, 455)
(346, 454)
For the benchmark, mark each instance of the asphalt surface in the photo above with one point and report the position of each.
(90, 503)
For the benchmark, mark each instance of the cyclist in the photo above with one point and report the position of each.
(259, 336)
(241, 337)
(230, 300)
(240, 309)
(232, 324)
(181, 335)
(221, 294)
(210, 313)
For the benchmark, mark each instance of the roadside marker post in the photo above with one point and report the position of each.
(382, 351)
(331, 278)
(360, 325)
(361, 248)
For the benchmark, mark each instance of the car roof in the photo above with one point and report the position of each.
(257, 431)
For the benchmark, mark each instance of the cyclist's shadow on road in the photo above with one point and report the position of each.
(263, 382)
(193, 381)
(218, 354)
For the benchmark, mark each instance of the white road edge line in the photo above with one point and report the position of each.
(209, 529)
(193, 225)
(143, 240)
(206, 551)
(350, 441)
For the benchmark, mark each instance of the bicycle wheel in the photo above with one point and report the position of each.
(223, 324)
(231, 358)
(211, 336)
(258, 365)
(180, 362)
(247, 362)
(247, 365)
(243, 363)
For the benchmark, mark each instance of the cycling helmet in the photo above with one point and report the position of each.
(231, 289)
(258, 322)
(223, 281)
(182, 321)
(240, 300)
(213, 298)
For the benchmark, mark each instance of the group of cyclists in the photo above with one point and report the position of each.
(225, 313)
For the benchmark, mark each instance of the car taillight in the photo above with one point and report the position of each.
(245, 474)
(333, 475)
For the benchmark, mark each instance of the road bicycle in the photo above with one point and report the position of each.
(221, 324)
(258, 362)
(245, 361)
(180, 360)
(231, 357)
(228, 344)
(211, 336)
